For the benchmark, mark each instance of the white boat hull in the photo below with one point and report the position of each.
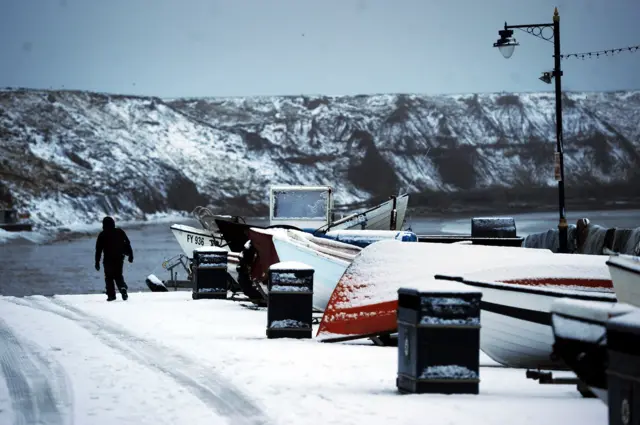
(625, 274)
(378, 218)
(516, 323)
(365, 300)
(327, 269)
(191, 238)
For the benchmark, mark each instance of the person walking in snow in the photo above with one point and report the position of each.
(115, 245)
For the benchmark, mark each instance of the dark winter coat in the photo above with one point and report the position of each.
(113, 242)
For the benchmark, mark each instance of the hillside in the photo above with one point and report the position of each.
(72, 156)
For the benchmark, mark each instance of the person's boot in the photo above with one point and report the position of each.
(111, 298)
(124, 294)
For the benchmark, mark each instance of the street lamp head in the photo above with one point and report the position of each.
(506, 43)
(507, 49)
(546, 77)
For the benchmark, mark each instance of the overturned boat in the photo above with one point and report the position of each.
(328, 258)
(518, 287)
(329, 255)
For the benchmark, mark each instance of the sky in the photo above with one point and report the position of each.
(198, 48)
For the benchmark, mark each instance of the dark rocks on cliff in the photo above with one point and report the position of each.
(183, 195)
(456, 167)
(6, 200)
(77, 160)
(371, 171)
(254, 141)
(242, 206)
(149, 199)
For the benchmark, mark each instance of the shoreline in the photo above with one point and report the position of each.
(454, 211)
(459, 212)
(54, 234)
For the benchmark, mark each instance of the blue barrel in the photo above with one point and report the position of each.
(363, 238)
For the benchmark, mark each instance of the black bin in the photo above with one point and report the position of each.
(623, 372)
(438, 341)
(290, 301)
(493, 227)
(8, 216)
(210, 276)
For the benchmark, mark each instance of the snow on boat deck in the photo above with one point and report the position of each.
(163, 358)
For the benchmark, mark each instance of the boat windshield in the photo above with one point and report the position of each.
(300, 204)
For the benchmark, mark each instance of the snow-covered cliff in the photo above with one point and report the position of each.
(72, 156)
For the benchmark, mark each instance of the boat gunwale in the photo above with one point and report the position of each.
(309, 250)
(633, 268)
(555, 293)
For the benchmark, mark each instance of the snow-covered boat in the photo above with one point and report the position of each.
(518, 286)
(234, 234)
(363, 238)
(308, 208)
(516, 320)
(191, 238)
(328, 258)
(625, 273)
(207, 219)
(580, 334)
(389, 215)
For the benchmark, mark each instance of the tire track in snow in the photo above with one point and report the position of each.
(38, 388)
(202, 381)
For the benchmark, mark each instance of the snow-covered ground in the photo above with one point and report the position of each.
(162, 358)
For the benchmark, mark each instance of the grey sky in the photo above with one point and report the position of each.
(172, 48)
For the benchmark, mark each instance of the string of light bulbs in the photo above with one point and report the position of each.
(600, 53)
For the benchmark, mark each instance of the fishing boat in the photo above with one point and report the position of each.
(516, 319)
(518, 287)
(389, 215)
(307, 208)
(191, 238)
(328, 255)
(329, 259)
(625, 274)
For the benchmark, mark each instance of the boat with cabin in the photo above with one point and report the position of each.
(307, 208)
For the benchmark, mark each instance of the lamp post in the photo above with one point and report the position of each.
(506, 44)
